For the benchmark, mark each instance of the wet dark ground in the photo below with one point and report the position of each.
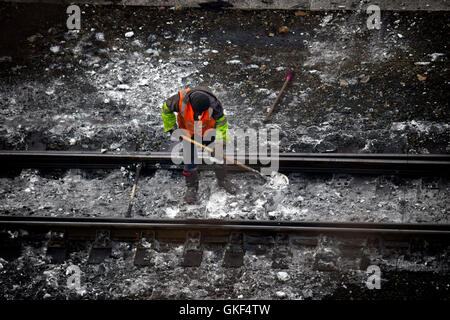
(92, 94)
(403, 285)
(73, 99)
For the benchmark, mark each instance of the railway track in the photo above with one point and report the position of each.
(61, 236)
(399, 164)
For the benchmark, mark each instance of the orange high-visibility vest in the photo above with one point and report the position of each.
(185, 117)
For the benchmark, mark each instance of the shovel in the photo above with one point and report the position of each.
(272, 180)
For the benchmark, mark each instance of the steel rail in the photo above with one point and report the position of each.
(14, 222)
(288, 162)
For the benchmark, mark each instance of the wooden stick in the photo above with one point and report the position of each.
(288, 78)
(133, 190)
(243, 166)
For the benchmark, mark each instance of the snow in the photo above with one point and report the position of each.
(216, 205)
(5, 59)
(100, 36)
(422, 127)
(55, 49)
(436, 55)
(234, 62)
(326, 20)
(278, 181)
(172, 212)
(283, 276)
(311, 199)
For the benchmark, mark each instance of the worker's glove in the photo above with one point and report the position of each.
(171, 131)
(171, 135)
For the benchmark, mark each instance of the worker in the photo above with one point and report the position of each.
(198, 111)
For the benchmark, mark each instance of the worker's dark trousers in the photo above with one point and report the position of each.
(191, 167)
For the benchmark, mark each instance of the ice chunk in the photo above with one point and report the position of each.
(283, 276)
(123, 87)
(253, 66)
(137, 43)
(55, 49)
(5, 59)
(216, 205)
(100, 36)
(278, 181)
(435, 55)
(152, 52)
(326, 20)
(172, 212)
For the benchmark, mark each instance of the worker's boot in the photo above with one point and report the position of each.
(224, 182)
(190, 196)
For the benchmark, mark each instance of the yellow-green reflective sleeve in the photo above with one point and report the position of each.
(169, 118)
(222, 129)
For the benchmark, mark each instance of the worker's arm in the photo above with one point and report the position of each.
(221, 121)
(167, 112)
(168, 118)
(222, 129)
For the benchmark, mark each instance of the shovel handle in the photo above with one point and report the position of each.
(197, 144)
(290, 74)
(288, 78)
(243, 166)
